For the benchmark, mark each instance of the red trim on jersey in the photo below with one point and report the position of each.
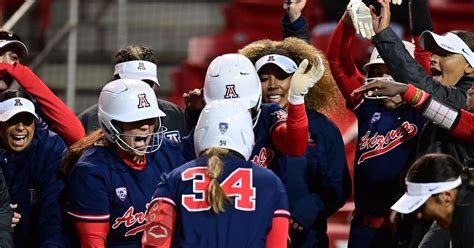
(278, 235)
(465, 127)
(294, 132)
(343, 68)
(62, 120)
(92, 234)
(282, 212)
(160, 224)
(132, 160)
(89, 217)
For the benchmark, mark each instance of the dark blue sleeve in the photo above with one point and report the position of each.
(281, 203)
(6, 214)
(298, 28)
(163, 190)
(187, 147)
(318, 183)
(51, 188)
(88, 193)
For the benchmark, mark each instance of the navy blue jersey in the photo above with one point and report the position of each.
(318, 183)
(35, 184)
(386, 147)
(264, 152)
(257, 195)
(102, 188)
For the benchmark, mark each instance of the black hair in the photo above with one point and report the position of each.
(134, 52)
(466, 36)
(436, 167)
(12, 94)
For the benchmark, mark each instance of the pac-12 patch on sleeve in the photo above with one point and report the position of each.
(279, 115)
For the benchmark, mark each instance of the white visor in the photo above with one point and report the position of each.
(418, 193)
(13, 106)
(449, 42)
(285, 63)
(137, 69)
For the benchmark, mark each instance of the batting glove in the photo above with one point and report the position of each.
(397, 2)
(361, 18)
(301, 82)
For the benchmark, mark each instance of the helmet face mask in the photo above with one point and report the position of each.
(152, 140)
(234, 77)
(129, 101)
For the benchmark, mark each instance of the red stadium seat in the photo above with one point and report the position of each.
(447, 16)
(338, 235)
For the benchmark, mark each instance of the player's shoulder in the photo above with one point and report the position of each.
(177, 172)
(264, 175)
(46, 140)
(95, 158)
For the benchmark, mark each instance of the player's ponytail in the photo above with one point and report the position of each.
(216, 195)
(75, 151)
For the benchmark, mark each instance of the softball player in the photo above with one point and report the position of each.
(219, 199)
(112, 182)
(233, 76)
(138, 62)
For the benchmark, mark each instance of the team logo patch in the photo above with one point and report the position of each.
(223, 126)
(230, 92)
(142, 101)
(280, 115)
(173, 135)
(18, 102)
(375, 117)
(141, 66)
(121, 193)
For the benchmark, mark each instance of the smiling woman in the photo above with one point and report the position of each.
(30, 161)
(17, 121)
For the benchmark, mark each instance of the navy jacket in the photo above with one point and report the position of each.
(35, 184)
(318, 183)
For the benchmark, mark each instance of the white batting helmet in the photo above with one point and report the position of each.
(224, 124)
(128, 100)
(233, 76)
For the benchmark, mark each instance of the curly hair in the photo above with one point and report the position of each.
(134, 52)
(324, 97)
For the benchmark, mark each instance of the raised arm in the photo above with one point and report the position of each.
(293, 22)
(61, 119)
(404, 68)
(343, 68)
(459, 121)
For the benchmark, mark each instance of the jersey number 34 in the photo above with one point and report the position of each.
(238, 184)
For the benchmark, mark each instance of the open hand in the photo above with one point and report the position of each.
(194, 99)
(382, 21)
(294, 8)
(382, 87)
(361, 18)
